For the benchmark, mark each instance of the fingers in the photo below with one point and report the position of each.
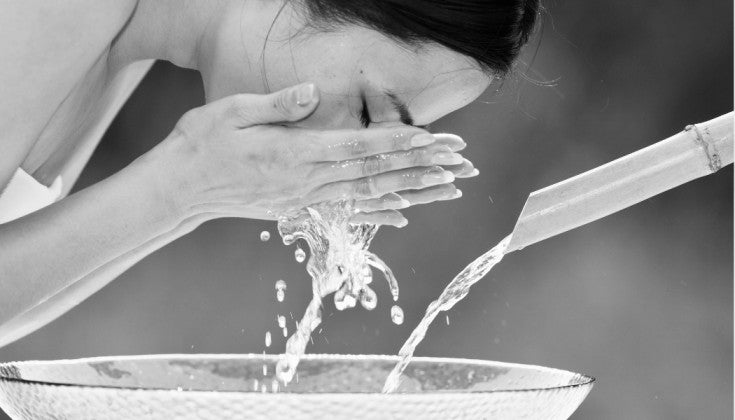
(464, 170)
(391, 201)
(385, 217)
(342, 145)
(378, 185)
(429, 195)
(384, 210)
(287, 105)
(387, 162)
(454, 141)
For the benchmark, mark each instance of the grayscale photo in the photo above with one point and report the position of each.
(375, 209)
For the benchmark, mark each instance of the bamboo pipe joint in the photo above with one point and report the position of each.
(708, 145)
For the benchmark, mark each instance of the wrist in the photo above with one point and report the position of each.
(163, 186)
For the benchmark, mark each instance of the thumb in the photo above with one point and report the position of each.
(287, 105)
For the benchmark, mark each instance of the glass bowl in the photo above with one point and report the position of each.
(243, 387)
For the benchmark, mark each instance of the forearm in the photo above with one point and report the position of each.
(79, 244)
(53, 307)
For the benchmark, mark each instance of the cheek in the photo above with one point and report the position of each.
(333, 112)
(339, 91)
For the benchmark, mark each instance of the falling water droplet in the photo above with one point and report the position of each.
(447, 319)
(285, 332)
(255, 385)
(265, 371)
(268, 339)
(281, 321)
(274, 386)
(280, 290)
(265, 236)
(300, 255)
(396, 315)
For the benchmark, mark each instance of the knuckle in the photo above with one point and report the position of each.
(190, 117)
(281, 105)
(365, 187)
(372, 165)
(419, 157)
(401, 141)
(192, 122)
(411, 179)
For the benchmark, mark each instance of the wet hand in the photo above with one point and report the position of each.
(228, 158)
(384, 210)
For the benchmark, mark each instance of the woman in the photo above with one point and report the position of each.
(376, 70)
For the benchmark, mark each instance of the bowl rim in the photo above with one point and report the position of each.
(585, 380)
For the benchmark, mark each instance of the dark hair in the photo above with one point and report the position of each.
(491, 32)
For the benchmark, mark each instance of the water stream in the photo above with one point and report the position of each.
(455, 291)
(340, 263)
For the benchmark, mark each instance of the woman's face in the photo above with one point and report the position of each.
(363, 76)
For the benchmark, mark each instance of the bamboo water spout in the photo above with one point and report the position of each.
(699, 150)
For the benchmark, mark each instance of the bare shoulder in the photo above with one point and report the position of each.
(46, 47)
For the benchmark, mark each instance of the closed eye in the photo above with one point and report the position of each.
(402, 110)
(365, 114)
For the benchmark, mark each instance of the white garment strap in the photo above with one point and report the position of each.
(24, 195)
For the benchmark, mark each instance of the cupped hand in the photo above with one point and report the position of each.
(235, 157)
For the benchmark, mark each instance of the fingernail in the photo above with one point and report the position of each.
(402, 223)
(456, 142)
(395, 201)
(474, 172)
(423, 139)
(436, 176)
(304, 94)
(444, 158)
(457, 193)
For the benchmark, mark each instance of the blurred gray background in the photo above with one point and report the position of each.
(642, 300)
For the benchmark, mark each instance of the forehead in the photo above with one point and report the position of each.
(432, 80)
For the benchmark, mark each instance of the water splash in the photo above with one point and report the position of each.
(339, 262)
(265, 236)
(455, 291)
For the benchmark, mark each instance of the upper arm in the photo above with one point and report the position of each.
(45, 48)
